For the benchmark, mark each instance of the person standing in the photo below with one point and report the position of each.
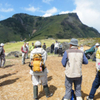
(96, 46)
(82, 48)
(24, 50)
(56, 47)
(44, 46)
(27, 45)
(52, 47)
(32, 47)
(72, 60)
(60, 49)
(96, 82)
(37, 76)
(2, 55)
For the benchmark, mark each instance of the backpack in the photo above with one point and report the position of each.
(38, 65)
(1, 50)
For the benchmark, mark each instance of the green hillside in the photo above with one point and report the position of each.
(24, 26)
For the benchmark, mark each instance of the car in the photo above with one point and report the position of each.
(89, 52)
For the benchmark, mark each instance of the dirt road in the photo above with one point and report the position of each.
(15, 80)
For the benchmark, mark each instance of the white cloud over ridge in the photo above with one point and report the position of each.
(31, 8)
(6, 9)
(88, 12)
(50, 12)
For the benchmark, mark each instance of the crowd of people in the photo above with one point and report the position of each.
(72, 60)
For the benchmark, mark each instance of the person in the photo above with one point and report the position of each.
(60, 49)
(2, 55)
(82, 48)
(24, 50)
(56, 46)
(44, 46)
(96, 82)
(27, 45)
(52, 47)
(96, 46)
(32, 47)
(72, 60)
(37, 76)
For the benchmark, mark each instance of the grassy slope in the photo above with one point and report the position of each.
(17, 46)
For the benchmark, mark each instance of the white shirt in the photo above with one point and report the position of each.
(56, 45)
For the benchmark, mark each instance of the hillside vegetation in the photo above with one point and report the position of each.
(24, 26)
(17, 46)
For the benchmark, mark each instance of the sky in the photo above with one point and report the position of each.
(88, 11)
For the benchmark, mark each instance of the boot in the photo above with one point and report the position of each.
(35, 92)
(47, 92)
(79, 98)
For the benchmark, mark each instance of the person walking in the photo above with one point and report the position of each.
(72, 60)
(24, 50)
(96, 82)
(27, 45)
(2, 55)
(36, 75)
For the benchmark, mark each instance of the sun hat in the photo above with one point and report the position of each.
(37, 43)
(97, 44)
(74, 42)
(2, 44)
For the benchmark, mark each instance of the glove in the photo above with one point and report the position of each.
(30, 65)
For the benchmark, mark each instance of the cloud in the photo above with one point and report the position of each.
(47, 1)
(6, 10)
(50, 12)
(31, 9)
(88, 12)
(5, 7)
(64, 12)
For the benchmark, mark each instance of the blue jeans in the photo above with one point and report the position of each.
(95, 86)
(77, 85)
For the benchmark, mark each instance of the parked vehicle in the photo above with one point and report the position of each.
(89, 52)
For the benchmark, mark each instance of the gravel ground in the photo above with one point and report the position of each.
(16, 84)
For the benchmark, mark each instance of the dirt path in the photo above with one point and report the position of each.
(15, 80)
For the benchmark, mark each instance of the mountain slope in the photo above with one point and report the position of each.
(21, 26)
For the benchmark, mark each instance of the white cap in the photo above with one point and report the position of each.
(97, 44)
(37, 43)
(2, 44)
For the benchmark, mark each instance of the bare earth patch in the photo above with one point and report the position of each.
(16, 84)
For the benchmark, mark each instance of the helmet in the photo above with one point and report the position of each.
(97, 44)
(37, 43)
(2, 44)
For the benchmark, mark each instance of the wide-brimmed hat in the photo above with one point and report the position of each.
(74, 42)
